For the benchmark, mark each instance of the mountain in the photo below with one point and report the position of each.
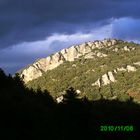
(70, 54)
(108, 69)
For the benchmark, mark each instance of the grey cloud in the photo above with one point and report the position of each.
(32, 20)
(126, 28)
(29, 20)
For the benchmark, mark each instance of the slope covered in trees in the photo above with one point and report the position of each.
(109, 72)
(29, 114)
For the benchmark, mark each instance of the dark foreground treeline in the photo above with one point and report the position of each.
(26, 114)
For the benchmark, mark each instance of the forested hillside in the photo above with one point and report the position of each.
(29, 114)
(107, 71)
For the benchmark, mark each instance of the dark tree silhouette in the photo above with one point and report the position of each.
(29, 114)
(71, 95)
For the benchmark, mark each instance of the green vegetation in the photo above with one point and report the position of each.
(26, 114)
(87, 71)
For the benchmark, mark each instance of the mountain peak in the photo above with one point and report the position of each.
(36, 69)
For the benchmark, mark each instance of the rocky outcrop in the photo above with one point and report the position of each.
(137, 63)
(31, 73)
(94, 54)
(90, 55)
(105, 79)
(109, 77)
(69, 54)
(128, 68)
(60, 99)
(99, 54)
(97, 83)
(121, 69)
(116, 50)
(78, 91)
(128, 48)
(36, 69)
(125, 48)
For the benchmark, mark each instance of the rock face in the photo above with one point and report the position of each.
(59, 99)
(116, 50)
(137, 63)
(125, 48)
(129, 68)
(128, 48)
(105, 79)
(89, 55)
(31, 73)
(121, 69)
(94, 54)
(108, 77)
(111, 77)
(69, 54)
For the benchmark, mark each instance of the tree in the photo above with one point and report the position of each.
(70, 95)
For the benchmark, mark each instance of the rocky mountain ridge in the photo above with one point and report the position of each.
(107, 69)
(69, 54)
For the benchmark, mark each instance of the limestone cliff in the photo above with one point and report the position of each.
(69, 54)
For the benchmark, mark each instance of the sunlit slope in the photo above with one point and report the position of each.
(106, 72)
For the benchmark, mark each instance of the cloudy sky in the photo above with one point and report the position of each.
(31, 29)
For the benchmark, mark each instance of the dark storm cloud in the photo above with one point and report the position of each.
(36, 28)
(30, 20)
(126, 28)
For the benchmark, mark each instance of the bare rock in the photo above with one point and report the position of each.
(93, 54)
(121, 69)
(78, 91)
(126, 48)
(111, 77)
(105, 79)
(73, 65)
(114, 42)
(30, 73)
(130, 68)
(98, 44)
(99, 54)
(90, 55)
(137, 63)
(90, 44)
(83, 48)
(115, 70)
(97, 83)
(60, 99)
(113, 98)
(116, 50)
(109, 42)
(69, 54)
(133, 48)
